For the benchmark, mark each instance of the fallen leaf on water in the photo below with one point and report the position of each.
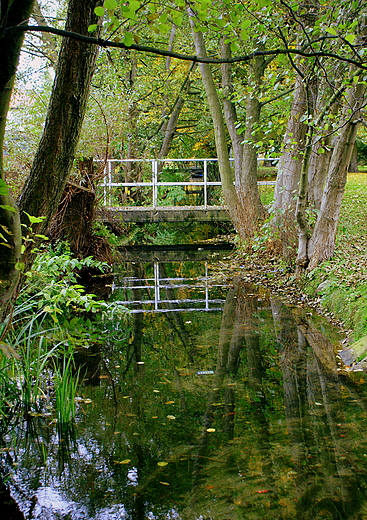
(81, 400)
(162, 464)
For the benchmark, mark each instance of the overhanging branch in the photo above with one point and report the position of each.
(185, 57)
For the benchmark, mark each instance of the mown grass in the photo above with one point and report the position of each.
(341, 282)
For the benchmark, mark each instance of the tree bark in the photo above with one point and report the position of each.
(55, 155)
(243, 206)
(322, 242)
(244, 148)
(290, 163)
(11, 14)
(220, 135)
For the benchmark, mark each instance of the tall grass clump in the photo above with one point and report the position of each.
(52, 318)
(66, 380)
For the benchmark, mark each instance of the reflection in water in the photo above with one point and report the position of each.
(160, 291)
(224, 415)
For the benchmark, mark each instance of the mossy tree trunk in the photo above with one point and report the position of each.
(55, 155)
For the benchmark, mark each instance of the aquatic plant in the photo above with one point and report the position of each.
(52, 317)
(66, 379)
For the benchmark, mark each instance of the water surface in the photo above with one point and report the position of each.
(206, 402)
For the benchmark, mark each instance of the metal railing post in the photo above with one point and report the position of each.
(109, 162)
(205, 183)
(157, 295)
(154, 182)
(105, 184)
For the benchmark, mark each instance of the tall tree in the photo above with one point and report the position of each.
(322, 242)
(12, 13)
(55, 155)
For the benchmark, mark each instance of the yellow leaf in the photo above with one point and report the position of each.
(125, 461)
(210, 430)
(162, 464)
(171, 417)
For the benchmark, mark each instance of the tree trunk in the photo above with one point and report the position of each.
(230, 113)
(242, 206)
(170, 127)
(322, 242)
(290, 163)
(317, 172)
(220, 135)
(244, 149)
(353, 166)
(55, 155)
(248, 191)
(327, 104)
(290, 169)
(11, 14)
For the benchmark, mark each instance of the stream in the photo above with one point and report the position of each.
(205, 402)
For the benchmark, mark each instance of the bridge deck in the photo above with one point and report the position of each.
(164, 214)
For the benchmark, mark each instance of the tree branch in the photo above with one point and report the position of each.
(185, 57)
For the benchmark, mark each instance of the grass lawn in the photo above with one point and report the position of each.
(343, 279)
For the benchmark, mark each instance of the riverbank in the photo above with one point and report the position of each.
(338, 287)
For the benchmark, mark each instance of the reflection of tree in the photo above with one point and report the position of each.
(286, 445)
(314, 414)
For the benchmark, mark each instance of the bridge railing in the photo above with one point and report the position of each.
(198, 179)
(166, 294)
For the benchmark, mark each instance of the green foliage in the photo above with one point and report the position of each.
(52, 317)
(361, 151)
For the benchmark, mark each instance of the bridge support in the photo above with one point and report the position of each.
(164, 214)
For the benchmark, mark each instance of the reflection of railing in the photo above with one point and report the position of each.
(197, 171)
(155, 287)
